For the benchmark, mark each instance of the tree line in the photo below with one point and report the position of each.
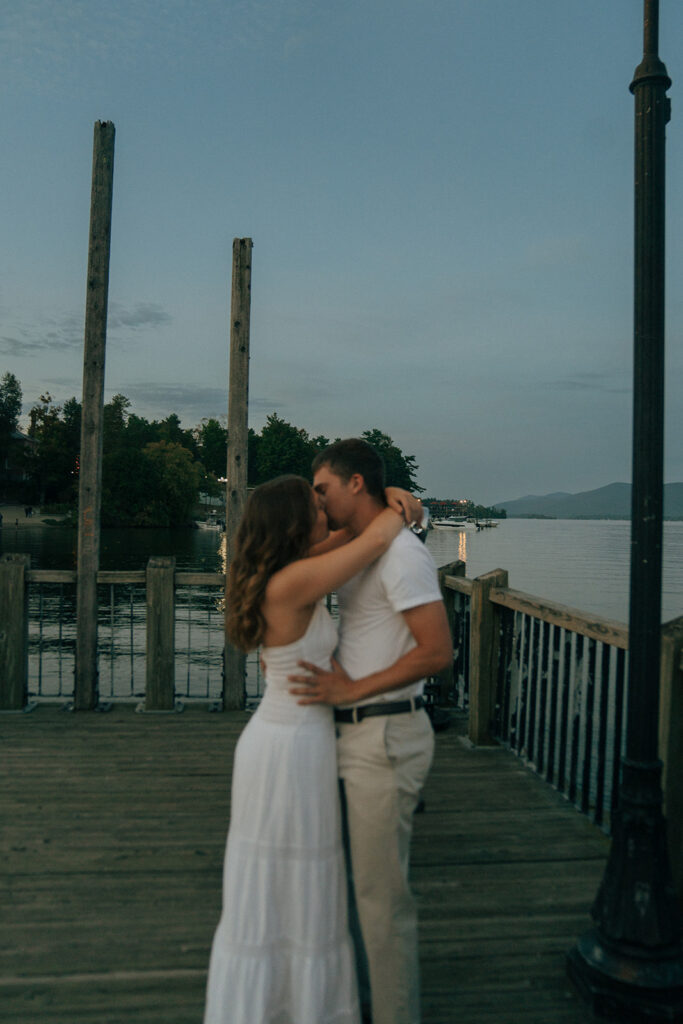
(153, 471)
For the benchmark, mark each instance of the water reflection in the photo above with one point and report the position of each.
(121, 641)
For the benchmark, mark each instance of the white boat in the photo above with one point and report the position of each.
(210, 524)
(453, 523)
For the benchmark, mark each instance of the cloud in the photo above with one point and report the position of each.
(15, 347)
(66, 331)
(174, 397)
(144, 314)
(192, 402)
(586, 382)
(35, 339)
(268, 404)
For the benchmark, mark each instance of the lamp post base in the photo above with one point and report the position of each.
(627, 989)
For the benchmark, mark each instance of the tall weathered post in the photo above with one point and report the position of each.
(238, 438)
(631, 964)
(90, 474)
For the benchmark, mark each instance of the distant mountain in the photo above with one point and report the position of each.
(610, 502)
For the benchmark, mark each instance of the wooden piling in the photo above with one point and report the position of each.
(238, 435)
(484, 648)
(160, 667)
(90, 474)
(13, 632)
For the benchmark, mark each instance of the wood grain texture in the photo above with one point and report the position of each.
(113, 851)
(160, 634)
(238, 442)
(607, 631)
(13, 631)
(92, 417)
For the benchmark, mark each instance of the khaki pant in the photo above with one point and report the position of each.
(383, 762)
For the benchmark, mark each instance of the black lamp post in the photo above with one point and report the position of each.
(630, 965)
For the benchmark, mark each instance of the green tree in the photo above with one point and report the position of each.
(10, 409)
(125, 475)
(10, 401)
(125, 486)
(123, 478)
(171, 431)
(53, 461)
(115, 415)
(212, 441)
(173, 484)
(140, 432)
(71, 416)
(400, 470)
(319, 444)
(139, 462)
(283, 448)
(253, 443)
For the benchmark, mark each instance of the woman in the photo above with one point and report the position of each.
(281, 953)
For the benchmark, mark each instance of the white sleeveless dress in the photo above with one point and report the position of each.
(282, 953)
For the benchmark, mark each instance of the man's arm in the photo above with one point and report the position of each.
(432, 653)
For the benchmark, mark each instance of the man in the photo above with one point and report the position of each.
(393, 633)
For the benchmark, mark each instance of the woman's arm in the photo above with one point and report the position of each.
(404, 503)
(334, 540)
(303, 582)
(399, 500)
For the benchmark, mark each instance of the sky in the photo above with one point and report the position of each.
(440, 197)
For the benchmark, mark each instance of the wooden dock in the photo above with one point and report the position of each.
(112, 835)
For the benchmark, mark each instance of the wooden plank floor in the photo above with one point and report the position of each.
(112, 835)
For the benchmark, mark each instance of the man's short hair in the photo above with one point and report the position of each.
(353, 455)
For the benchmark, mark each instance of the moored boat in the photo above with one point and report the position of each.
(210, 524)
(453, 523)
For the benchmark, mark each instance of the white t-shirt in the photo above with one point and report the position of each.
(372, 631)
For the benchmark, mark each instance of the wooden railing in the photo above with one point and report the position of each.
(157, 602)
(550, 683)
(547, 681)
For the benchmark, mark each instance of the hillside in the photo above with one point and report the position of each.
(610, 502)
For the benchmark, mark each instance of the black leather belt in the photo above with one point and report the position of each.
(387, 707)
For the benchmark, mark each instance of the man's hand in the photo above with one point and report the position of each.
(321, 687)
(433, 651)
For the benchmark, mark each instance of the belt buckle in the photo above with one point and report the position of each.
(354, 715)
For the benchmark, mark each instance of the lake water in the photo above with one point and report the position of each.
(582, 563)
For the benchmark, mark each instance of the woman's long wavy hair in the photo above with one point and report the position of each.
(274, 531)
